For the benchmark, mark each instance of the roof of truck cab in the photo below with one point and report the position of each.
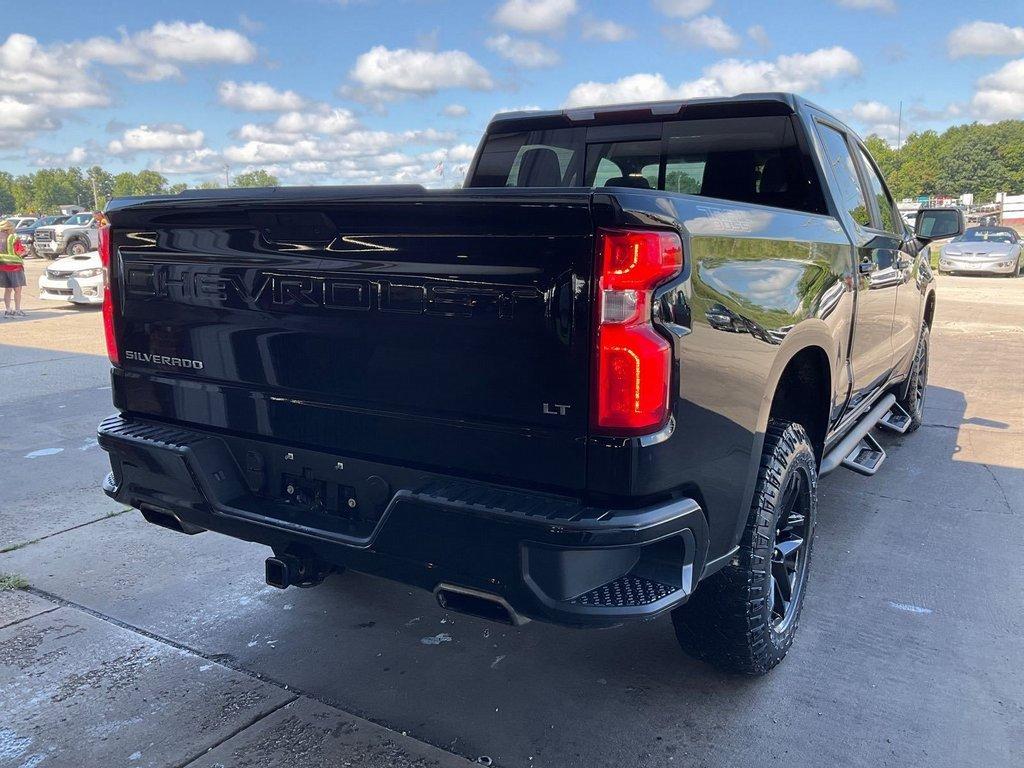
(653, 110)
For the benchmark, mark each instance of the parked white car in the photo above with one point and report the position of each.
(78, 279)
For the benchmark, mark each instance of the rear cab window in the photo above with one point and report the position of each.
(756, 159)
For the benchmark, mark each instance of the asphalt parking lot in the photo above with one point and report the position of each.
(137, 646)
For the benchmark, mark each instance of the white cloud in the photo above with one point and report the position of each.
(875, 117)
(327, 121)
(682, 8)
(156, 138)
(985, 38)
(158, 52)
(462, 153)
(64, 77)
(359, 157)
(257, 97)
(40, 83)
(868, 5)
(78, 156)
(390, 72)
(357, 144)
(290, 126)
(873, 112)
(194, 161)
(759, 35)
(455, 110)
(534, 15)
(639, 87)
(20, 120)
(606, 31)
(196, 43)
(51, 75)
(798, 72)
(525, 53)
(710, 31)
(1000, 95)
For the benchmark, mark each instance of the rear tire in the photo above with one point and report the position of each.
(743, 618)
(917, 385)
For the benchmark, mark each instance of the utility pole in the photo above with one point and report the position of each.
(899, 128)
(227, 179)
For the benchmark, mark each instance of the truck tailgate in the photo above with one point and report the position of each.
(442, 329)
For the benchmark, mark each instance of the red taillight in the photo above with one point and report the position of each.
(108, 297)
(633, 364)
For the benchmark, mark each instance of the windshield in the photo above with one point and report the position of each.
(746, 159)
(978, 235)
(48, 220)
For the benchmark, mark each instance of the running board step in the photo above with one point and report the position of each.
(850, 448)
(867, 457)
(896, 419)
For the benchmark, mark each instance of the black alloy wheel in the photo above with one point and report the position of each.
(789, 566)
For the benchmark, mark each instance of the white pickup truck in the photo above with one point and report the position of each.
(79, 234)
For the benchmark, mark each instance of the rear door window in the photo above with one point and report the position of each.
(849, 193)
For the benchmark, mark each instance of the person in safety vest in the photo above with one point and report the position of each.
(12, 269)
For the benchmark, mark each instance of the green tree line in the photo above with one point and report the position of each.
(45, 190)
(982, 159)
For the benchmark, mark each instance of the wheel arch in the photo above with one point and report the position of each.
(929, 309)
(803, 394)
(809, 347)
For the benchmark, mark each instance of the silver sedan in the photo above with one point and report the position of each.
(983, 250)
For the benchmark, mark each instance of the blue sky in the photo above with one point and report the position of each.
(329, 91)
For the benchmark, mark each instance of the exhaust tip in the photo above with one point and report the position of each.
(474, 602)
(167, 519)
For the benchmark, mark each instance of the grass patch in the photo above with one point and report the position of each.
(12, 581)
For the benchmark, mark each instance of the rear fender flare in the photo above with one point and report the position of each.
(809, 333)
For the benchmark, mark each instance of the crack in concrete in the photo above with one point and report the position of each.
(21, 545)
(39, 362)
(252, 721)
(999, 485)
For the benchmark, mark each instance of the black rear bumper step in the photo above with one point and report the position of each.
(548, 557)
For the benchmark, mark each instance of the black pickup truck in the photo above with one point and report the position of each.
(598, 383)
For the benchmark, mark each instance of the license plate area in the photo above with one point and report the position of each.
(308, 493)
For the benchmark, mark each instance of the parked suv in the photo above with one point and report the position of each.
(79, 234)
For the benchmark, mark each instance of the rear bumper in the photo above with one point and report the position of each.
(549, 557)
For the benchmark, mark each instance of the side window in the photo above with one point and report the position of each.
(849, 194)
(885, 205)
